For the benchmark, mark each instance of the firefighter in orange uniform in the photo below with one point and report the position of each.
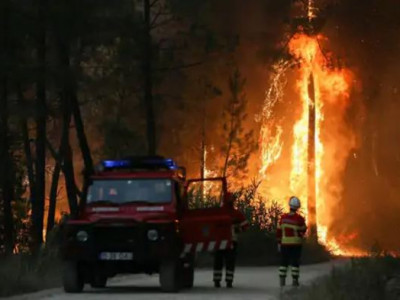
(290, 234)
(228, 256)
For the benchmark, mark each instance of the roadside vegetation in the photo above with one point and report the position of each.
(370, 278)
(25, 272)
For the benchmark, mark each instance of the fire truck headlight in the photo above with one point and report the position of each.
(82, 236)
(152, 235)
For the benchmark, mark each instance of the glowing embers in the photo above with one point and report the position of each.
(271, 132)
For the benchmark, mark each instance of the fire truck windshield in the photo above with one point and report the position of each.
(123, 191)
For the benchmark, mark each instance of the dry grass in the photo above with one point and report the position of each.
(24, 273)
(363, 279)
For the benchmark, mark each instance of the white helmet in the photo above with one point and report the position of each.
(294, 203)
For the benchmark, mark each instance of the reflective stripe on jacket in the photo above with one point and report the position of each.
(291, 229)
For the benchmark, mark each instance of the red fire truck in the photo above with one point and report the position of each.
(139, 217)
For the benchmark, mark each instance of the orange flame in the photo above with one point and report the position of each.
(333, 140)
(271, 133)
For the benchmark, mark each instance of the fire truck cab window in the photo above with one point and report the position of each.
(120, 191)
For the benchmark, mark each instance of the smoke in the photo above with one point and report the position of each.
(365, 36)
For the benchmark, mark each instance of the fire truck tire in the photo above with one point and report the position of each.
(72, 278)
(170, 277)
(98, 281)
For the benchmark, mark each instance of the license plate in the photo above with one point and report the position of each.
(116, 256)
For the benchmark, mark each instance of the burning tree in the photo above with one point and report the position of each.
(321, 141)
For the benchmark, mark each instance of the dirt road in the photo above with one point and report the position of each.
(250, 284)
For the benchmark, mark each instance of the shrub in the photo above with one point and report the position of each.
(23, 273)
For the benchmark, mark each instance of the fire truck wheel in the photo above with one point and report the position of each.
(170, 277)
(72, 278)
(98, 281)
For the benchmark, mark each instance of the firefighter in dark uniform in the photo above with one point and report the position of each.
(228, 256)
(290, 234)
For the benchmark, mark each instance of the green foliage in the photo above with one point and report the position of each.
(260, 212)
(199, 198)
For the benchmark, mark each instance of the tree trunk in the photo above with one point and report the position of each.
(68, 169)
(83, 143)
(59, 159)
(53, 196)
(311, 203)
(5, 157)
(229, 147)
(148, 81)
(27, 148)
(65, 148)
(6, 163)
(227, 155)
(40, 164)
(80, 130)
(203, 149)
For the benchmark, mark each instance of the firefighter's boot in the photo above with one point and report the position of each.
(282, 281)
(217, 284)
(229, 284)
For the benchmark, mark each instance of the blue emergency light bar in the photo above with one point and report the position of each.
(116, 163)
(171, 164)
(150, 163)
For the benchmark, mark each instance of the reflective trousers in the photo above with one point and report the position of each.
(228, 258)
(290, 256)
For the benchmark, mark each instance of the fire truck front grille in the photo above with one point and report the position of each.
(110, 238)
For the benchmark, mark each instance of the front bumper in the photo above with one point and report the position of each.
(134, 239)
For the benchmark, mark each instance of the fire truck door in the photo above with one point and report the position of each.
(206, 224)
